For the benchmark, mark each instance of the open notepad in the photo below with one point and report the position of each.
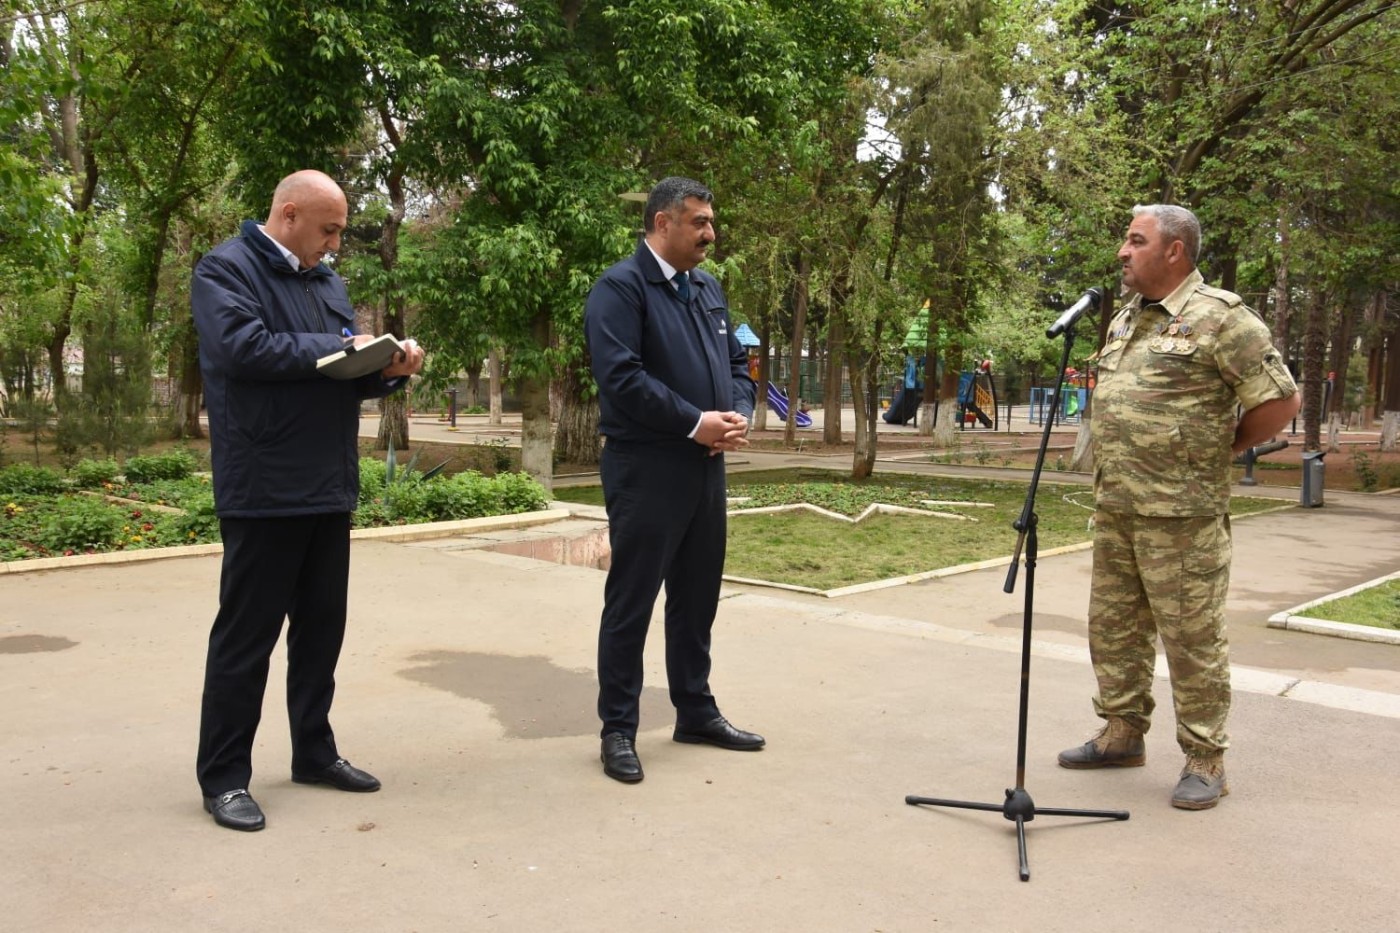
(354, 362)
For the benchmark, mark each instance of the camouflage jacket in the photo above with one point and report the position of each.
(1170, 377)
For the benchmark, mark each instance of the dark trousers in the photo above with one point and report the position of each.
(666, 525)
(274, 568)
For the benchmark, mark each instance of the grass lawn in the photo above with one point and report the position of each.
(804, 549)
(1378, 606)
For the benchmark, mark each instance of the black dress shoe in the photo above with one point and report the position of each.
(342, 776)
(236, 809)
(620, 761)
(719, 732)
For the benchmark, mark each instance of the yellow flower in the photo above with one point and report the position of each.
(135, 537)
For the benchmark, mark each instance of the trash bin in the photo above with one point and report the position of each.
(1313, 473)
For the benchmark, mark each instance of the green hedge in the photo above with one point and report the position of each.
(411, 498)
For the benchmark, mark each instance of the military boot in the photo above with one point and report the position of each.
(1118, 745)
(1202, 783)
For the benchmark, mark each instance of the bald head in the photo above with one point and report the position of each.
(308, 214)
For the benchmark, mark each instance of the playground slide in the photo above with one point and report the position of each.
(778, 404)
(904, 407)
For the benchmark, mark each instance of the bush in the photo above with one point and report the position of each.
(414, 497)
(79, 523)
(174, 464)
(172, 492)
(403, 501)
(90, 474)
(466, 495)
(372, 479)
(198, 524)
(25, 479)
(519, 492)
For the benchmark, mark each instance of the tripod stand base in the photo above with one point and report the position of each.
(1020, 809)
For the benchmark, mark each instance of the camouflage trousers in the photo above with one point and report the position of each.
(1162, 577)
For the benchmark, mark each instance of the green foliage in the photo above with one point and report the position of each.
(198, 523)
(1377, 606)
(175, 464)
(25, 479)
(65, 524)
(373, 478)
(414, 497)
(113, 412)
(519, 492)
(90, 474)
(1366, 471)
(176, 493)
(82, 523)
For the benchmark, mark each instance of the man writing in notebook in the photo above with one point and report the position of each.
(286, 478)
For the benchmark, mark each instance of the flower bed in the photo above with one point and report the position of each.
(161, 502)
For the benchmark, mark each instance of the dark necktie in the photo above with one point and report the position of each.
(682, 287)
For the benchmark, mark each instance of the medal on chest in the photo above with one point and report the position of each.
(1174, 336)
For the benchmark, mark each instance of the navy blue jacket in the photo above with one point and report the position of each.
(657, 362)
(283, 437)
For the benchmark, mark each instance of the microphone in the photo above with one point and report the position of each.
(1074, 312)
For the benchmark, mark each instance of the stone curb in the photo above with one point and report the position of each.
(1294, 620)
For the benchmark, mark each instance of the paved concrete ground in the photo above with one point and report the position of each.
(467, 686)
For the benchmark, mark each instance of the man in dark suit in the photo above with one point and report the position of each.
(286, 478)
(674, 395)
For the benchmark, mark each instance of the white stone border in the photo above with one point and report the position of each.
(1294, 621)
(873, 509)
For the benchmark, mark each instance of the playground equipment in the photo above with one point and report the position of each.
(1250, 456)
(904, 408)
(778, 404)
(977, 393)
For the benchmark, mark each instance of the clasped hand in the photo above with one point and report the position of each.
(722, 431)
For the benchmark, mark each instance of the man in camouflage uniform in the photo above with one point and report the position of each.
(1180, 357)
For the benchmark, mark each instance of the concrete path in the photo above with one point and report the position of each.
(467, 686)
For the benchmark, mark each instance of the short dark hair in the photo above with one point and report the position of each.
(671, 193)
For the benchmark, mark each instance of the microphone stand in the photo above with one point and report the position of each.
(1018, 806)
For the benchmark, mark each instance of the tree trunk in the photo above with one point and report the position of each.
(536, 435)
(799, 324)
(1390, 426)
(1390, 401)
(536, 442)
(1374, 346)
(865, 395)
(1314, 340)
(191, 380)
(1082, 460)
(1283, 304)
(831, 397)
(941, 426)
(493, 366)
(393, 417)
(946, 421)
(577, 439)
(393, 421)
(765, 373)
(473, 398)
